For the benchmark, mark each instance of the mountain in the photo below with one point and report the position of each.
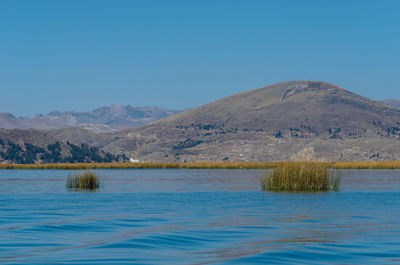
(104, 119)
(76, 135)
(9, 121)
(291, 120)
(392, 102)
(31, 146)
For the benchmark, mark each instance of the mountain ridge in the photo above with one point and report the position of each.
(104, 119)
(392, 102)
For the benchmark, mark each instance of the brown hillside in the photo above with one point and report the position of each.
(291, 120)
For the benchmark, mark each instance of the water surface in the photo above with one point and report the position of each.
(197, 217)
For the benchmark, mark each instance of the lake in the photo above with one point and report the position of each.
(197, 217)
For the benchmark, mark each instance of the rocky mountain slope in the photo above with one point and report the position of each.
(31, 146)
(104, 119)
(392, 102)
(291, 120)
(9, 121)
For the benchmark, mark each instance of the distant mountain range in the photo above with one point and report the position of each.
(297, 120)
(104, 119)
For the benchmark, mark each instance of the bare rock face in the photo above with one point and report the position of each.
(290, 120)
(298, 88)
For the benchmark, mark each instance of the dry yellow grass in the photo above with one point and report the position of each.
(367, 165)
(201, 165)
(301, 176)
(83, 181)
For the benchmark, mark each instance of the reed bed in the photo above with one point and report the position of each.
(87, 180)
(301, 177)
(144, 165)
(367, 165)
(200, 165)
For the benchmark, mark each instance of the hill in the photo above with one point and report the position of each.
(76, 135)
(104, 119)
(290, 120)
(31, 146)
(392, 102)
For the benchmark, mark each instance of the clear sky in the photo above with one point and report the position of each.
(79, 55)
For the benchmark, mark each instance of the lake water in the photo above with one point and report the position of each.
(197, 217)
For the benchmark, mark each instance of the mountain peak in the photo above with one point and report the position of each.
(303, 86)
(7, 115)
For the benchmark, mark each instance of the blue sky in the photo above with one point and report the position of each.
(79, 55)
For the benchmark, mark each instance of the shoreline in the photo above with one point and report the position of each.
(200, 165)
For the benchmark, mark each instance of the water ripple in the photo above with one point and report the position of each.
(196, 217)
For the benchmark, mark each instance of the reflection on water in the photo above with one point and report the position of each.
(197, 217)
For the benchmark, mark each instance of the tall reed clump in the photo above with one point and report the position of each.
(302, 177)
(87, 180)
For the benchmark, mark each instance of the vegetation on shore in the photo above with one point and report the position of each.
(367, 165)
(144, 165)
(87, 180)
(303, 177)
(200, 165)
(58, 152)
